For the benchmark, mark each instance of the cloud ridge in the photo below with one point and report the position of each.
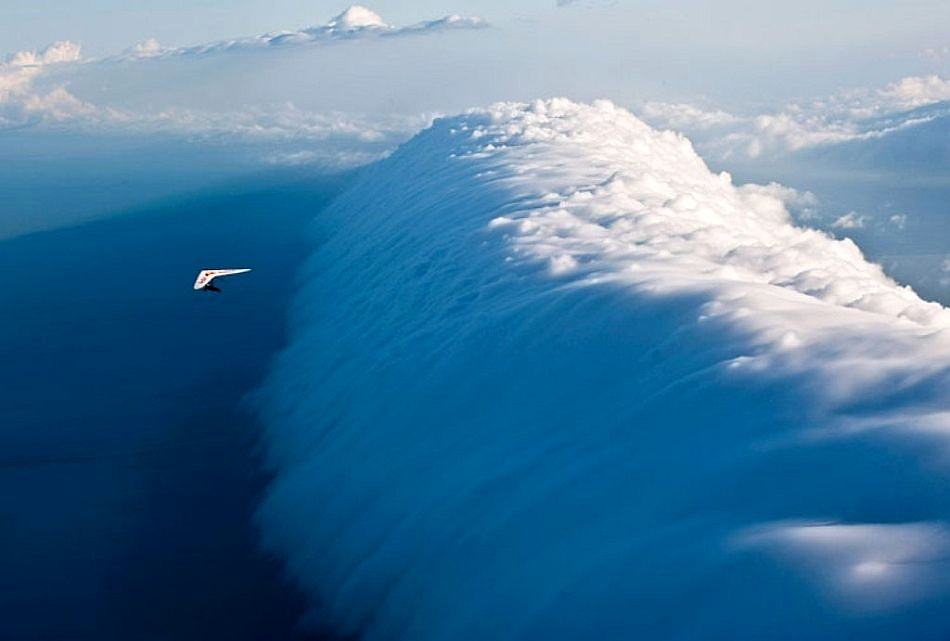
(550, 378)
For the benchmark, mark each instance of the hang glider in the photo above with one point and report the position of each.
(205, 280)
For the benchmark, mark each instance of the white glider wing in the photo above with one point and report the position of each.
(205, 276)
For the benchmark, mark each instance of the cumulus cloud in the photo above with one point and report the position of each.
(915, 91)
(21, 103)
(146, 49)
(58, 52)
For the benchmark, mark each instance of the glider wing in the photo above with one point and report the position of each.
(205, 276)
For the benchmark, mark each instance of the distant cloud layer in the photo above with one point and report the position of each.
(22, 103)
(857, 115)
(33, 91)
(38, 87)
(356, 22)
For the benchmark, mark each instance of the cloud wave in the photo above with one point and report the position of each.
(552, 378)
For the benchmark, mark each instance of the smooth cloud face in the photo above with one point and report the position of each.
(551, 378)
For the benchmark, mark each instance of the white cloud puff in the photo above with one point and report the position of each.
(56, 53)
(851, 220)
(916, 91)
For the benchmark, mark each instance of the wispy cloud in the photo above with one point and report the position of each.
(899, 221)
(936, 53)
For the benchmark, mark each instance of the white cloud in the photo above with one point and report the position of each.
(851, 220)
(354, 23)
(22, 103)
(915, 91)
(683, 116)
(899, 221)
(855, 115)
(148, 48)
(56, 53)
(729, 230)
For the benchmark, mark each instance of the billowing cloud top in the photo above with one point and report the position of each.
(57, 52)
(20, 103)
(917, 91)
